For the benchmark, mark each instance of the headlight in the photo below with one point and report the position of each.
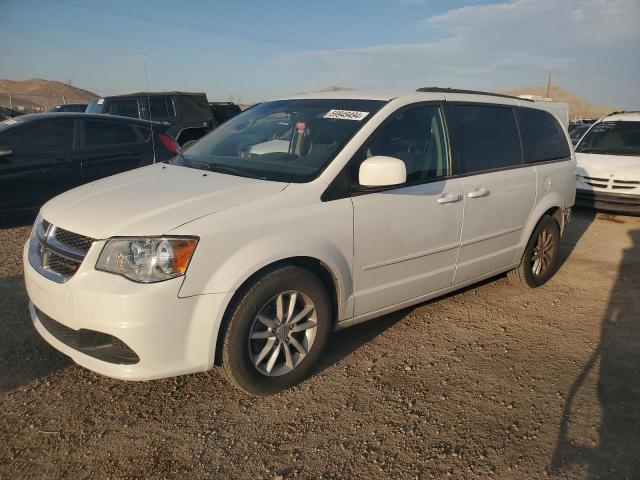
(147, 260)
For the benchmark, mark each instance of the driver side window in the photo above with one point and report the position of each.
(417, 136)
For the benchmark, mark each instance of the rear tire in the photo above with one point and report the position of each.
(540, 257)
(276, 331)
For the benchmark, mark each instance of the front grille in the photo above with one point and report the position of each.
(64, 266)
(57, 253)
(73, 239)
(90, 342)
(610, 183)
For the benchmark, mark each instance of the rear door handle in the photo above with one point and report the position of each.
(449, 198)
(480, 192)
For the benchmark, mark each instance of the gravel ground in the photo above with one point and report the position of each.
(489, 382)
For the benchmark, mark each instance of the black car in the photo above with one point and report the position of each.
(223, 111)
(188, 114)
(69, 107)
(44, 154)
(6, 113)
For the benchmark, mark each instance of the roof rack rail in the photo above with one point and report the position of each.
(622, 111)
(469, 92)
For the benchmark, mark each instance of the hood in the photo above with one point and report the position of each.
(619, 167)
(151, 200)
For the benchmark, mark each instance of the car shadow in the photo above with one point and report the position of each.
(581, 218)
(347, 341)
(618, 357)
(24, 356)
(344, 342)
(17, 220)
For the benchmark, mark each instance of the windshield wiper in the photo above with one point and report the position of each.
(220, 168)
(216, 167)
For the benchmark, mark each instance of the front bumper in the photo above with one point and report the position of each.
(611, 202)
(168, 335)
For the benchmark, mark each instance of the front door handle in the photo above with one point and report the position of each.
(449, 198)
(480, 192)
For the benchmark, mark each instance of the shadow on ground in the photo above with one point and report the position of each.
(616, 454)
(24, 356)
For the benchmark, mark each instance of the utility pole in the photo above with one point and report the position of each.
(10, 102)
(548, 84)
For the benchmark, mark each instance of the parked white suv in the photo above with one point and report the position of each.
(293, 219)
(608, 157)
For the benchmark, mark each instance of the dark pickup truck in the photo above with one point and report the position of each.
(188, 114)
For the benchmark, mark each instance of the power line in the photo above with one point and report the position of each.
(182, 45)
(233, 33)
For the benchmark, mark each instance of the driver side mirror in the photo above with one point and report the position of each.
(381, 171)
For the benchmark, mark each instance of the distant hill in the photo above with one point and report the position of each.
(578, 107)
(334, 88)
(38, 93)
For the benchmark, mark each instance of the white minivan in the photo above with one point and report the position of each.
(608, 164)
(296, 218)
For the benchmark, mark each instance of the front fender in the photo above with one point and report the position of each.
(234, 270)
(237, 242)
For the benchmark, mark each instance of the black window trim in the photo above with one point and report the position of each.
(558, 125)
(523, 164)
(356, 190)
(335, 190)
(458, 163)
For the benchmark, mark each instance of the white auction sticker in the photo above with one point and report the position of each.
(100, 101)
(346, 115)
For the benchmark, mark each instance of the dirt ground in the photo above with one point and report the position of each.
(489, 382)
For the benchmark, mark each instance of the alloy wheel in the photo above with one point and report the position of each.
(282, 333)
(543, 252)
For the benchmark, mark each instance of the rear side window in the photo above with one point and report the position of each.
(42, 137)
(542, 136)
(101, 134)
(124, 108)
(161, 107)
(486, 137)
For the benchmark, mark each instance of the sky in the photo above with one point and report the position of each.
(251, 51)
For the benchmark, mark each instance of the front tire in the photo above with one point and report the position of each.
(277, 331)
(541, 256)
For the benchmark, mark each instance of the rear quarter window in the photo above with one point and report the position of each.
(101, 134)
(542, 137)
(486, 137)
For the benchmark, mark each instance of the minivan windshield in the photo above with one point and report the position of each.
(284, 140)
(612, 138)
